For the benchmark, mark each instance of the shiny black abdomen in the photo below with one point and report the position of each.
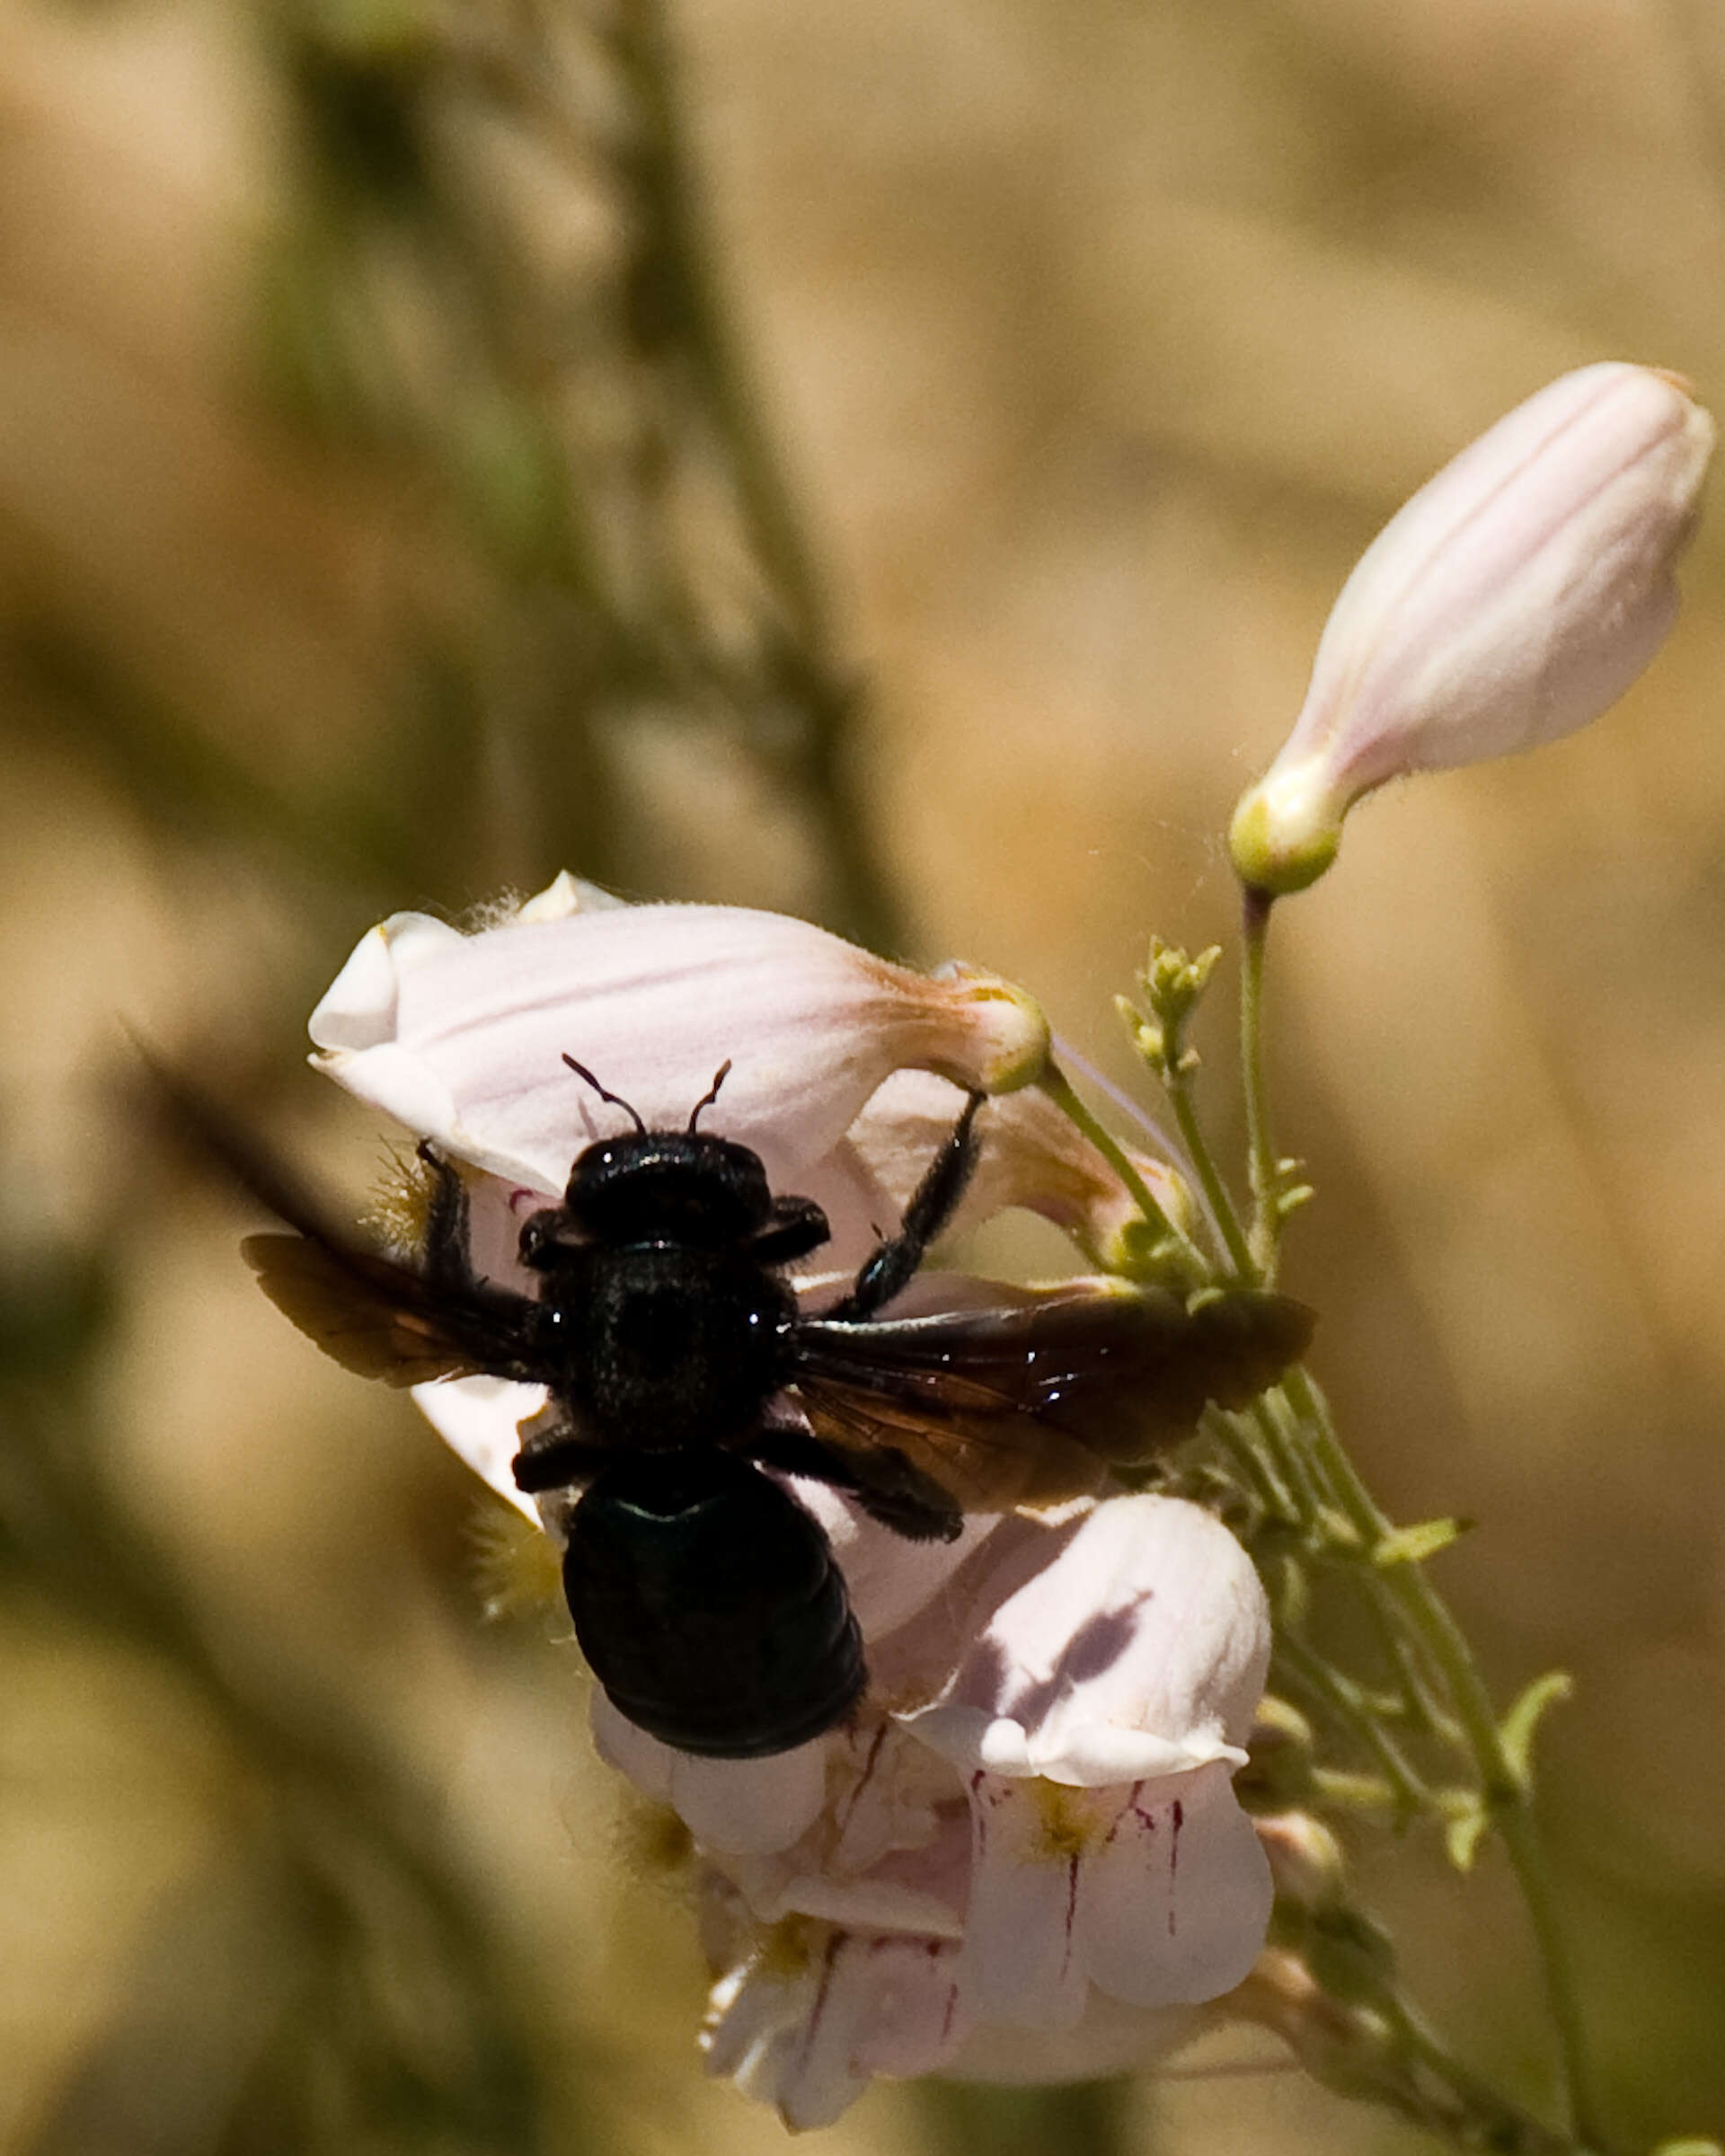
(707, 1602)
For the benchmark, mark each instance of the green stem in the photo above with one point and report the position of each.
(1059, 1088)
(1475, 2109)
(1257, 1467)
(1506, 1794)
(1507, 1798)
(1297, 1467)
(1266, 1226)
(1411, 1793)
(1227, 1219)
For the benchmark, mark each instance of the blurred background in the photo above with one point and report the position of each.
(890, 463)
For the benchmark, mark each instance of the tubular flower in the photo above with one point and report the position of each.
(463, 1037)
(1094, 1881)
(1512, 600)
(1020, 1856)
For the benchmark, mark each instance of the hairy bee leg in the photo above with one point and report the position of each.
(557, 1463)
(932, 1205)
(883, 1482)
(445, 1257)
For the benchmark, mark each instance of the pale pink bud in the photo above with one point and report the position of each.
(1514, 598)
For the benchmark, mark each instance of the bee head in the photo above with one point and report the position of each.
(656, 1186)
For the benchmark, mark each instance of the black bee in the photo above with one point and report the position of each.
(680, 1365)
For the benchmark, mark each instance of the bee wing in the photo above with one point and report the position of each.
(381, 1319)
(374, 1313)
(1033, 1402)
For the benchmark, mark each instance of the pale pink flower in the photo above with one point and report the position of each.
(463, 1037)
(808, 2017)
(1052, 1832)
(1512, 600)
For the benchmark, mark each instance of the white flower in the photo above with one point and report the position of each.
(1513, 599)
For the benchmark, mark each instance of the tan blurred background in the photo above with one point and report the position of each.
(1095, 337)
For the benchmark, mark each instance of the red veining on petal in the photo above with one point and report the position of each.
(978, 1819)
(1174, 1861)
(1072, 1911)
(847, 1810)
(811, 2028)
(1133, 1809)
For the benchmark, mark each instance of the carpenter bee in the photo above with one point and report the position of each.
(680, 1365)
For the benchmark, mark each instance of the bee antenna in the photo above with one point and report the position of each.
(711, 1095)
(617, 1099)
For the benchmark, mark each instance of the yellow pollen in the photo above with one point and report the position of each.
(788, 1948)
(1066, 1822)
(653, 1843)
(516, 1566)
(401, 1203)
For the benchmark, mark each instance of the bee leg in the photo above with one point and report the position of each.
(932, 1205)
(884, 1483)
(558, 1463)
(445, 1257)
(797, 1226)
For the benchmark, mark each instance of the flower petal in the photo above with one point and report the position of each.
(464, 1037)
(890, 1852)
(1157, 1893)
(750, 1807)
(1021, 1958)
(1175, 1902)
(480, 1419)
(1030, 1156)
(809, 2037)
(1135, 1648)
(1108, 2038)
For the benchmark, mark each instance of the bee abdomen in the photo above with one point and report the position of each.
(708, 1605)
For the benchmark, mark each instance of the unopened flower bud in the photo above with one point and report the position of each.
(1305, 1859)
(1279, 1770)
(1514, 598)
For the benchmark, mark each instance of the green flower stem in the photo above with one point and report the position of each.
(1281, 1431)
(1507, 1796)
(1356, 1792)
(1058, 1086)
(1295, 1463)
(1227, 1221)
(1407, 1791)
(1474, 2111)
(1267, 1225)
(1258, 1471)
